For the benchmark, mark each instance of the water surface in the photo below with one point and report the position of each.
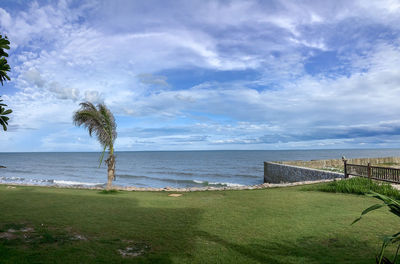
(160, 168)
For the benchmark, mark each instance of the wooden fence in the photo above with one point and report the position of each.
(372, 172)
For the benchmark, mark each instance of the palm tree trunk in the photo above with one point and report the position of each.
(111, 168)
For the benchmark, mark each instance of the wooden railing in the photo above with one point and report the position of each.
(372, 172)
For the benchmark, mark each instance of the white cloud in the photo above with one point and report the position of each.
(62, 55)
(93, 96)
(65, 92)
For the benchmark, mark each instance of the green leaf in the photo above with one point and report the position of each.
(369, 209)
(9, 111)
(4, 125)
(102, 156)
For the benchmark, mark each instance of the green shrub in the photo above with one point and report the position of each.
(357, 185)
(108, 192)
(394, 207)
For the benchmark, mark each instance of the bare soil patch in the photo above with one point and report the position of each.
(134, 249)
(174, 194)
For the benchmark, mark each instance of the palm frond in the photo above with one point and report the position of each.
(89, 119)
(4, 67)
(4, 44)
(98, 120)
(3, 118)
(109, 121)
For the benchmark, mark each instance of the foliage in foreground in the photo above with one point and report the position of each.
(4, 68)
(3, 115)
(394, 207)
(357, 185)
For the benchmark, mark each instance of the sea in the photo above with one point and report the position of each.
(159, 169)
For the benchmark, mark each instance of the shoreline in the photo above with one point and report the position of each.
(172, 189)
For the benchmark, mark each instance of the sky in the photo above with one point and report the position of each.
(204, 75)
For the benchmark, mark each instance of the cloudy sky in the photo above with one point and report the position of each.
(195, 75)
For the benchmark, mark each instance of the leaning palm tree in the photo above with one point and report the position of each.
(100, 120)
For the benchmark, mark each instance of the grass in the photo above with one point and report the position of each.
(356, 185)
(387, 164)
(280, 225)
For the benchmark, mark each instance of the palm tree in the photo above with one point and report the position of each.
(4, 67)
(100, 120)
(3, 118)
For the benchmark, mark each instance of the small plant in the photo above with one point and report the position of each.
(357, 185)
(108, 192)
(394, 207)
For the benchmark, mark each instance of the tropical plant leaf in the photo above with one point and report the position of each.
(394, 207)
(4, 120)
(369, 209)
(4, 42)
(102, 156)
(4, 68)
(98, 120)
(9, 111)
(3, 124)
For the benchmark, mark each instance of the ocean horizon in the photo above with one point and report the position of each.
(158, 169)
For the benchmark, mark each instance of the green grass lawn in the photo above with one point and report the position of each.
(281, 225)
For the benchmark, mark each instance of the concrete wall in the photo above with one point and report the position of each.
(278, 173)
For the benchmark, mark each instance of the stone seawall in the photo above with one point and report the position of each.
(280, 173)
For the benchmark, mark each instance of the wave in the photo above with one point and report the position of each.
(46, 181)
(23, 180)
(180, 182)
(19, 171)
(218, 184)
(72, 183)
(173, 182)
(172, 173)
(12, 179)
(127, 176)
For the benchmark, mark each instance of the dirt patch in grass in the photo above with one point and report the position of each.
(29, 235)
(174, 194)
(134, 249)
(8, 235)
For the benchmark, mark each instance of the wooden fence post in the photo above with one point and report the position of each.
(345, 167)
(369, 170)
